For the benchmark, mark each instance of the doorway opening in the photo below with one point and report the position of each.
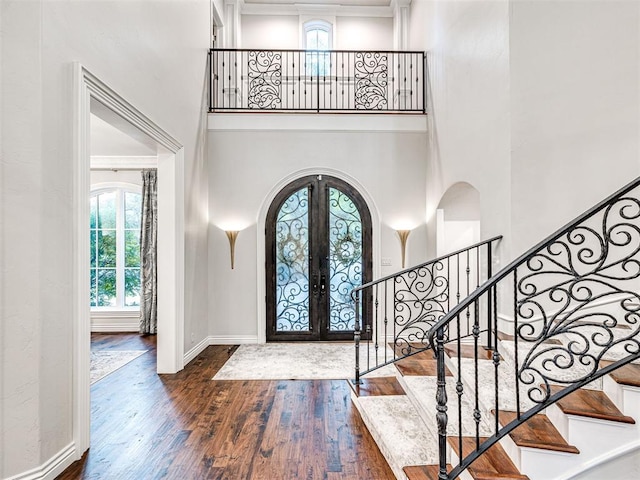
(318, 248)
(92, 96)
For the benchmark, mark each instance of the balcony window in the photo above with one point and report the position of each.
(318, 39)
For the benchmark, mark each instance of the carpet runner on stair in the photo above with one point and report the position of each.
(400, 413)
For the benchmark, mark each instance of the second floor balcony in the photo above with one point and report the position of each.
(320, 81)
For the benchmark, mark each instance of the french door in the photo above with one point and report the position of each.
(318, 240)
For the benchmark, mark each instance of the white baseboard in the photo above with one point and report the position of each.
(111, 328)
(111, 321)
(52, 467)
(195, 351)
(232, 339)
(217, 340)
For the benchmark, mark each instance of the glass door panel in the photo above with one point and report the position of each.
(345, 259)
(318, 249)
(292, 264)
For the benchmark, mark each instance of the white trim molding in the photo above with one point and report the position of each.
(109, 321)
(92, 96)
(316, 9)
(52, 467)
(102, 162)
(313, 122)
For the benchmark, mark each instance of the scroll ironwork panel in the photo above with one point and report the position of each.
(372, 79)
(292, 263)
(264, 69)
(345, 259)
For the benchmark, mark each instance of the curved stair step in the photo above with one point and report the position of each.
(421, 364)
(592, 404)
(494, 464)
(628, 374)
(537, 432)
(423, 472)
(374, 386)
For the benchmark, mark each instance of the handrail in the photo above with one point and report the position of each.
(424, 264)
(525, 256)
(575, 301)
(399, 309)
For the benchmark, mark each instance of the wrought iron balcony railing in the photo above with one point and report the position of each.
(336, 81)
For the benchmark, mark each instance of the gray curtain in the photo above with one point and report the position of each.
(149, 253)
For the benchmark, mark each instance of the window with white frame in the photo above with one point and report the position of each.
(318, 40)
(115, 247)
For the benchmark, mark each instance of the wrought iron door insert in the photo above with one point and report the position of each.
(318, 251)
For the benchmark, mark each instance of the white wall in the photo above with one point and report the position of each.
(575, 113)
(270, 32)
(284, 32)
(154, 54)
(364, 33)
(541, 116)
(467, 48)
(247, 165)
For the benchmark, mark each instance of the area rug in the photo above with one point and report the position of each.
(104, 362)
(294, 361)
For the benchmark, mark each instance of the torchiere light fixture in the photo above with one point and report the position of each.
(403, 234)
(232, 235)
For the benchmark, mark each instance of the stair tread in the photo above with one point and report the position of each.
(537, 432)
(421, 364)
(494, 464)
(628, 374)
(406, 348)
(509, 338)
(376, 386)
(592, 404)
(468, 351)
(423, 472)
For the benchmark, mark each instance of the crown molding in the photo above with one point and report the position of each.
(315, 9)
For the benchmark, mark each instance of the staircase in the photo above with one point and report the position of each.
(530, 373)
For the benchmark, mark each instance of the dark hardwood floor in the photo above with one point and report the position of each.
(188, 426)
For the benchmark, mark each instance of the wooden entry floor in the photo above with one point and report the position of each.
(188, 426)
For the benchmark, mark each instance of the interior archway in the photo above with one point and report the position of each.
(458, 218)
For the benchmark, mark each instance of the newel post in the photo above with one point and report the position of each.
(356, 337)
(441, 409)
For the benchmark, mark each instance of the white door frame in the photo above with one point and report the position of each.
(88, 88)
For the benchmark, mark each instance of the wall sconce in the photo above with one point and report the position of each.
(403, 234)
(232, 235)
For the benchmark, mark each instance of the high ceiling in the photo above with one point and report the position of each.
(350, 3)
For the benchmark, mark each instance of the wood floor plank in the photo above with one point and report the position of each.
(188, 426)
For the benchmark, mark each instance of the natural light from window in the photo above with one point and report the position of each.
(318, 37)
(115, 248)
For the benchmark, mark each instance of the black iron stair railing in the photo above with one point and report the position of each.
(554, 314)
(333, 81)
(400, 309)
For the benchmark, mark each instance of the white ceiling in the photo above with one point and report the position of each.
(107, 140)
(350, 3)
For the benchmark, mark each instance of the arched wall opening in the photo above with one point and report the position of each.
(457, 218)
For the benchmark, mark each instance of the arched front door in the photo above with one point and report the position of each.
(318, 240)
